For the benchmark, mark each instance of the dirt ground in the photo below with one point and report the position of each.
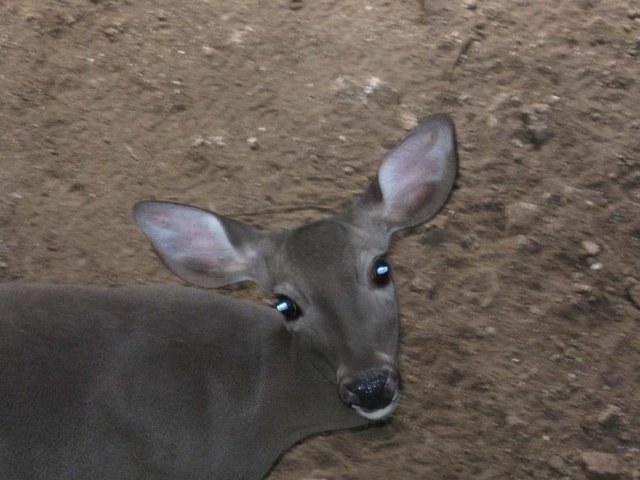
(520, 303)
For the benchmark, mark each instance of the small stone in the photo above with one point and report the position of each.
(466, 241)
(380, 92)
(295, 4)
(521, 216)
(470, 4)
(198, 141)
(610, 416)
(514, 421)
(408, 120)
(424, 287)
(373, 89)
(536, 122)
(600, 465)
(348, 91)
(4, 265)
(348, 170)
(111, 33)
(582, 288)
(208, 51)
(600, 31)
(516, 142)
(217, 140)
(253, 143)
(534, 310)
(527, 244)
(67, 19)
(557, 463)
(590, 247)
(31, 17)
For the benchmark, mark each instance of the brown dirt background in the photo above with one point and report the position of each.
(520, 350)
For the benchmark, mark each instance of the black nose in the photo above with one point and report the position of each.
(371, 390)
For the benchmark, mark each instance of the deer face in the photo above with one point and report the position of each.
(335, 292)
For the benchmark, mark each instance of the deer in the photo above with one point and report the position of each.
(178, 382)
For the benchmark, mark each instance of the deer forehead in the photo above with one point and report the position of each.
(325, 249)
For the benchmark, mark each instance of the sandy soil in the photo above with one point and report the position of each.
(521, 302)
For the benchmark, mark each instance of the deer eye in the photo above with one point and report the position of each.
(381, 273)
(287, 307)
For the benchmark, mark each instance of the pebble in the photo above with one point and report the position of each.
(611, 415)
(582, 288)
(600, 31)
(380, 92)
(521, 215)
(4, 265)
(218, 140)
(208, 51)
(534, 310)
(253, 143)
(68, 19)
(421, 286)
(408, 120)
(470, 4)
(536, 122)
(111, 32)
(600, 465)
(590, 247)
(515, 421)
(373, 88)
(557, 463)
(466, 241)
(296, 4)
(198, 141)
(348, 170)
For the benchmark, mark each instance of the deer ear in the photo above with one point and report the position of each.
(201, 247)
(415, 179)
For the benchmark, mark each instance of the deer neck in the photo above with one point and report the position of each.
(299, 397)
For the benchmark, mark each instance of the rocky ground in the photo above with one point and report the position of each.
(521, 302)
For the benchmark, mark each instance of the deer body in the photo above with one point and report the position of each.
(115, 384)
(179, 383)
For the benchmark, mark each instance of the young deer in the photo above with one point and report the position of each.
(160, 382)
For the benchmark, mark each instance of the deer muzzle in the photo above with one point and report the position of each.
(373, 393)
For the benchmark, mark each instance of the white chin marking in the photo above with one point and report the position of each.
(378, 414)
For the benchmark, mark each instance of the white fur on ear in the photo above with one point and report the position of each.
(193, 243)
(417, 176)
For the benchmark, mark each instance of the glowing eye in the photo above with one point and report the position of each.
(381, 273)
(287, 307)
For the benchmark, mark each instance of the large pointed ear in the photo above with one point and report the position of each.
(201, 247)
(415, 178)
